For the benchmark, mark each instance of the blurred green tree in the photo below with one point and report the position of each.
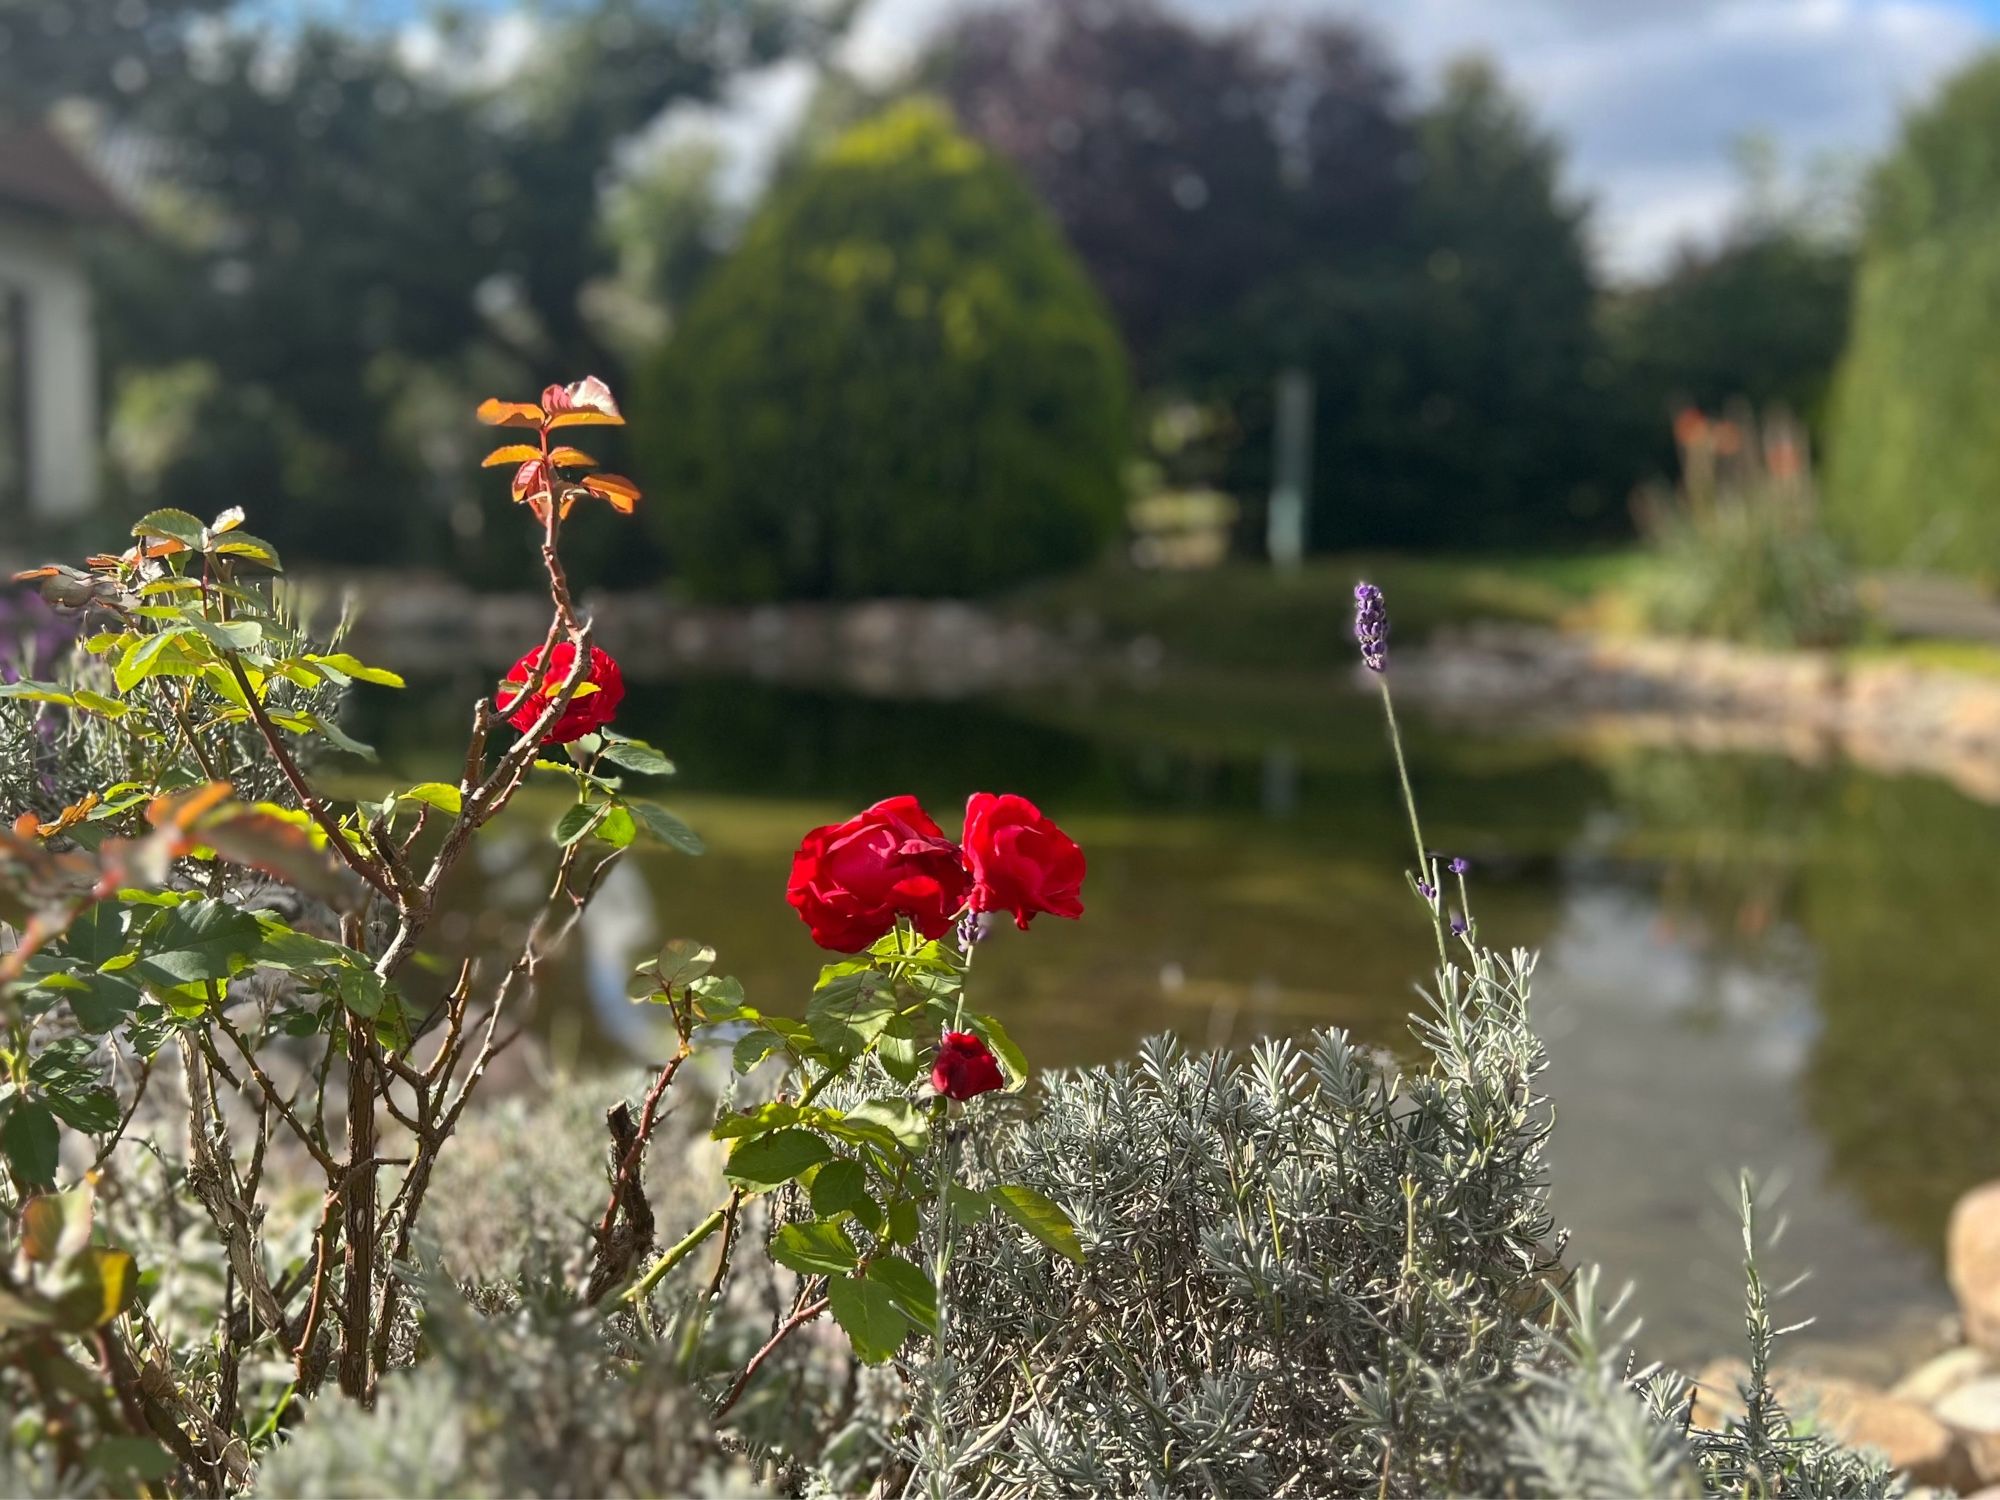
(351, 241)
(1913, 466)
(899, 383)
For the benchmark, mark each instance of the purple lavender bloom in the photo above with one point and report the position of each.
(1427, 890)
(1371, 626)
(1459, 927)
(1460, 865)
(973, 928)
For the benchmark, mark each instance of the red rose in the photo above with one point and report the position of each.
(586, 713)
(850, 881)
(1020, 861)
(965, 1067)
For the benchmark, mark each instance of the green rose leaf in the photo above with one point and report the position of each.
(1040, 1217)
(28, 1139)
(814, 1249)
(867, 1312)
(187, 945)
(574, 823)
(909, 1287)
(445, 798)
(839, 1186)
(776, 1158)
(667, 828)
(637, 755)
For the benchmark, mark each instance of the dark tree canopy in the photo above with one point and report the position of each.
(1187, 166)
(900, 383)
(346, 249)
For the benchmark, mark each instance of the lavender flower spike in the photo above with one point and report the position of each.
(1460, 865)
(1371, 626)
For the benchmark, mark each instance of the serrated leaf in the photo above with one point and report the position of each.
(617, 829)
(445, 798)
(28, 1139)
(185, 945)
(1040, 1217)
(682, 961)
(231, 635)
(850, 1011)
(635, 755)
(838, 1187)
(574, 823)
(915, 1297)
(248, 548)
(94, 1111)
(174, 525)
(1011, 1057)
(814, 1249)
(353, 666)
(901, 1119)
(866, 1311)
(667, 828)
(753, 1047)
(777, 1158)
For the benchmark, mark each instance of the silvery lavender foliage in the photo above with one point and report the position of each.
(521, 1392)
(1308, 1274)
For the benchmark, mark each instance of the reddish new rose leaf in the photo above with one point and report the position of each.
(621, 493)
(496, 413)
(531, 480)
(572, 458)
(586, 418)
(511, 453)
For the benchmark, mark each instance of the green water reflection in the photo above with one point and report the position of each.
(1745, 962)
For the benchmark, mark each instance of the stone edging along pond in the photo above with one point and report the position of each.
(1811, 706)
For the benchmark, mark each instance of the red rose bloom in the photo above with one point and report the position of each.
(1020, 861)
(586, 712)
(965, 1067)
(850, 881)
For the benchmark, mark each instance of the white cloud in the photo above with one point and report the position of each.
(1649, 96)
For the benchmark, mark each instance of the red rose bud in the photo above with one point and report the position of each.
(596, 700)
(1020, 861)
(965, 1067)
(850, 881)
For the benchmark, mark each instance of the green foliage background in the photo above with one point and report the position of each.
(901, 382)
(1913, 468)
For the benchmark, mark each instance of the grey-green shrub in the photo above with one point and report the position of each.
(899, 383)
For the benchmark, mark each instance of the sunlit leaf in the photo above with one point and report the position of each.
(667, 828)
(249, 548)
(837, 1187)
(436, 794)
(574, 823)
(620, 492)
(510, 453)
(496, 413)
(868, 1314)
(572, 458)
(635, 755)
(776, 1158)
(915, 1296)
(352, 666)
(1039, 1216)
(229, 520)
(814, 1249)
(171, 525)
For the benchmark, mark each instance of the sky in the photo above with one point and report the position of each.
(1650, 97)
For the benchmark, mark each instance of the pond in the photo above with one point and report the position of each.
(1744, 962)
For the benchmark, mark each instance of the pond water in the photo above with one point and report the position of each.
(1744, 962)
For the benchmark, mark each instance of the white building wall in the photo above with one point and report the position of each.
(62, 411)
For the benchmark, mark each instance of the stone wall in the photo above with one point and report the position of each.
(1812, 706)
